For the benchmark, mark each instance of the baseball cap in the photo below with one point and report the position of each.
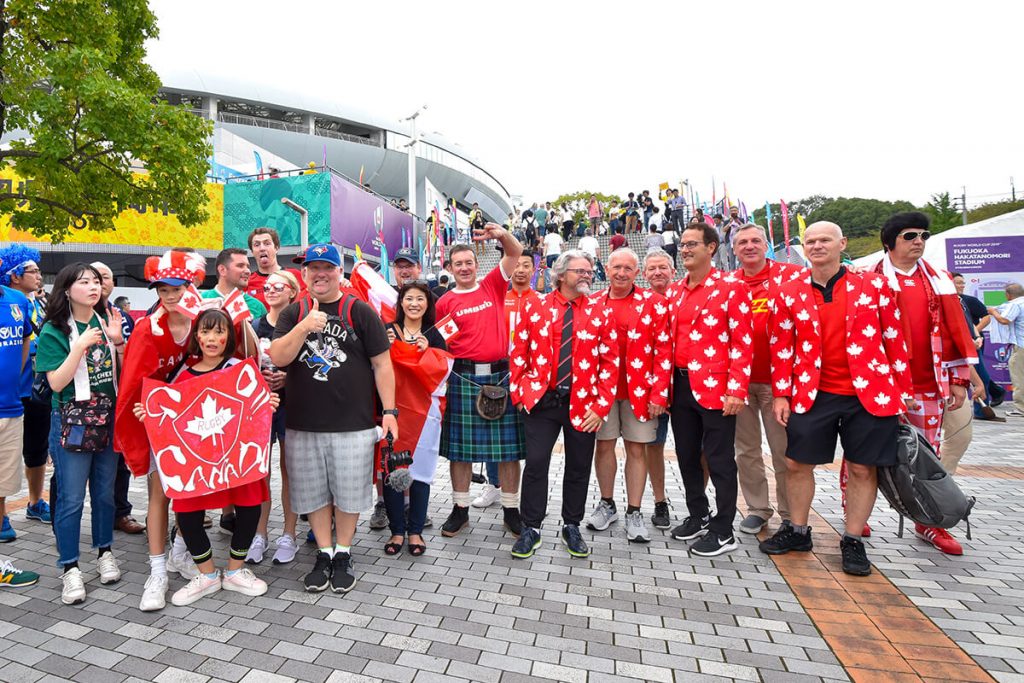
(406, 254)
(327, 253)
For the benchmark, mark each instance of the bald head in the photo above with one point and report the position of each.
(825, 225)
(823, 245)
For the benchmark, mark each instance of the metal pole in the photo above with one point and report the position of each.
(303, 221)
(1013, 191)
(963, 199)
(412, 169)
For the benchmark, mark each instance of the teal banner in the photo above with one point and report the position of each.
(257, 203)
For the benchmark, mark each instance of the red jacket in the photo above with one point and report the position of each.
(595, 357)
(720, 343)
(648, 361)
(875, 349)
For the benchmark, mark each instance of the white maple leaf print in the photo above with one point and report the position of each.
(877, 282)
(782, 384)
(732, 385)
(812, 394)
(711, 321)
(882, 399)
(807, 346)
(581, 393)
(746, 340)
(724, 337)
(860, 383)
(636, 363)
(535, 317)
(695, 335)
(743, 307)
(854, 350)
(864, 299)
(638, 392)
(211, 421)
(803, 315)
(804, 378)
(709, 352)
(693, 366)
(786, 324)
(900, 366)
(883, 300)
(519, 361)
(882, 369)
(646, 320)
(602, 402)
(785, 354)
(869, 331)
(584, 364)
(535, 386)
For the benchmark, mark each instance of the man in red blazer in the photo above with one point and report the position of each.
(712, 348)
(564, 371)
(840, 370)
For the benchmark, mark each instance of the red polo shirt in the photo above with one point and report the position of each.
(624, 315)
(835, 366)
(560, 303)
(691, 304)
(760, 367)
(515, 302)
(914, 306)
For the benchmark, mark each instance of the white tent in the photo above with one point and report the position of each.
(935, 250)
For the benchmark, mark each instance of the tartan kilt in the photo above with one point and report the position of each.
(467, 437)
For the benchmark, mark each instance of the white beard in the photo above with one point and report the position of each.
(583, 288)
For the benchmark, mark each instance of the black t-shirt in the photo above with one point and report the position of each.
(330, 384)
(974, 307)
(434, 338)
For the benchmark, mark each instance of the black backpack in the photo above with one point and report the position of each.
(305, 303)
(918, 487)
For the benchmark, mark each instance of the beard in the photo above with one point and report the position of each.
(583, 287)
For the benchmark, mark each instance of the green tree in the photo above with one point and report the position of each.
(82, 107)
(942, 212)
(577, 202)
(992, 210)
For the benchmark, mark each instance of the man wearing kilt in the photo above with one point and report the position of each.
(480, 423)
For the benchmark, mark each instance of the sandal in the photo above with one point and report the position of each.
(417, 549)
(395, 548)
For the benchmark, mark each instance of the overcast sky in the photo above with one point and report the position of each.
(893, 100)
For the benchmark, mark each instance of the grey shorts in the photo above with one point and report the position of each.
(622, 422)
(330, 466)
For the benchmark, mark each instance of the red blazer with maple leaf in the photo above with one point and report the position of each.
(721, 339)
(876, 352)
(648, 361)
(595, 357)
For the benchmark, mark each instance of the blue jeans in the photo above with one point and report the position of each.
(394, 501)
(492, 475)
(72, 471)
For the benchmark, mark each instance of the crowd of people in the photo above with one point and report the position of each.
(720, 350)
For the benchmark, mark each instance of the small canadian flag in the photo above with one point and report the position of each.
(236, 308)
(191, 303)
(446, 327)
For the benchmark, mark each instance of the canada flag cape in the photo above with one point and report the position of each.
(421, 380)
(372, 288)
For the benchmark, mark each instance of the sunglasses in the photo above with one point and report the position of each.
(914, 234)
(276, 287)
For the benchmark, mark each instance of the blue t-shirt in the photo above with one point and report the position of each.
(15, 329)
(37, 315)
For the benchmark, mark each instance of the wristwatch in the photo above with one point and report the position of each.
(391, 411)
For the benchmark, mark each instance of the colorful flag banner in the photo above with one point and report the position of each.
(785, 224)
(801, 226)
(191, 303)
(371, 287)
(236, 308)
(447, 327)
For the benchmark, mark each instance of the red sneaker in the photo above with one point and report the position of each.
(867, 530)
(939, 538)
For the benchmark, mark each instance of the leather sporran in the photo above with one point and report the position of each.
(491, 401)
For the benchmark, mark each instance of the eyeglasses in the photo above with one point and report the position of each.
(914, 234)
(276, 287)
(582, 272)
(690, 245)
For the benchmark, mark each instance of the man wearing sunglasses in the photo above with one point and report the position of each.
(940, 345)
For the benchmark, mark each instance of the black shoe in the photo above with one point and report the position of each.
(227, 522)
(786, 539)
(456, 522)
(691, 528)
(661, 519)
(513, 522)
(714, 544)
(573, 541)
(342, 580)
(478, 478)
(526, 544)
(855, 558)
(318, 579)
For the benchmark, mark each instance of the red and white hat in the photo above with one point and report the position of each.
(175, 268)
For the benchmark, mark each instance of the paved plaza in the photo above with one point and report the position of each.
(468, 611)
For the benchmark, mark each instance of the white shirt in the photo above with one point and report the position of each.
(588, 244)
(552, 244)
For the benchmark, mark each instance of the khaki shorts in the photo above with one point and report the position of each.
(12, 432)
(622, 422)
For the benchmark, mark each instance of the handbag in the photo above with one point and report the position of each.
(85, 426)
(491, 401)
(41, 391)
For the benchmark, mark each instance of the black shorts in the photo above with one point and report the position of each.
(36, 446)
(866, 439)
(277, 425)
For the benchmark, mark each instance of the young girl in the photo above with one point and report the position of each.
(211, 347)
(78, 349)
(280, 289)
(413, 324)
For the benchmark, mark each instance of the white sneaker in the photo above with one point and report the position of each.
(245, 582)
(636, 528)
(154, 596)
(74, 587)
(109, 571)
(256, 550)
(489, 497)
(286, 549)
(602, 516)
(182, 563)
(198, 587)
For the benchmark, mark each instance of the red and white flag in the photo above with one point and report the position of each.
(375, 290)
(447, 327)
(191, 303)
(236, 308)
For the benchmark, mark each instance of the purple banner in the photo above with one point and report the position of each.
(358, 216)
(988, 254)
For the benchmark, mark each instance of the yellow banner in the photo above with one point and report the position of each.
(148, 226)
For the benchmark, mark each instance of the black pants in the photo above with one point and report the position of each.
(394, 501)
(190, 524)
(699, 430)
(543, 424)
(122, 506)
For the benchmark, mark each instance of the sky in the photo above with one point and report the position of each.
(890, 100)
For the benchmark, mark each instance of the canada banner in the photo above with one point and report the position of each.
(372, 288)
(211, 433)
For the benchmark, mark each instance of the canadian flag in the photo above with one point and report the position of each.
(236, 308)
(447, 327)
(375, 290)
(191, 303)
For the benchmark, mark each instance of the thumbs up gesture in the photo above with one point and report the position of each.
(316, 321)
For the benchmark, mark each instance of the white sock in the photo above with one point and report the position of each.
(329, 550)
(509, 500)
(461, 498)
(346, 549)
(179, 545)
(158, 565)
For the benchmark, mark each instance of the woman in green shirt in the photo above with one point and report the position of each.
(78, 350)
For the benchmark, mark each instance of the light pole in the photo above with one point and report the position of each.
(413, 204)
(303, 221)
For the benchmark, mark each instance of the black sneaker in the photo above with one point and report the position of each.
(855, 558)
(456, 522)
(227, 522)
(318, 579)
(513, 522)
(573, 540)
(526, 544)
(661, 519)
(713, 544)
(691, 528)
(786, 539)
(342, 580)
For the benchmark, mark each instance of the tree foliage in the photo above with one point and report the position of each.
(942, 212)
(992, 210)
(577, 202)
(81, 105)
